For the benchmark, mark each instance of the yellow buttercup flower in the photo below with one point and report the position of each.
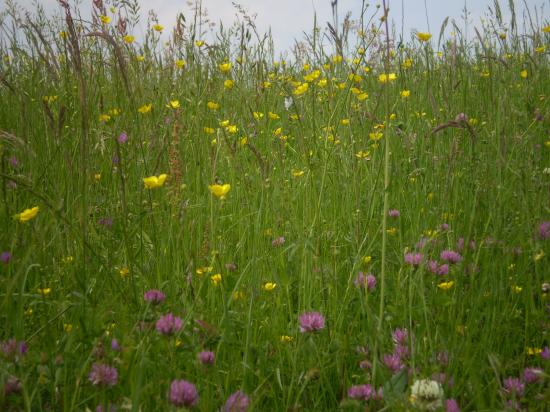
(375, 136)
(105, 19)
(516, 289)
(225, 67)
(387, 77)
(446, 285)
(301, 89)
(286, 339)
(153, 182)
(220, 191)
(158, 27)
(423, 36)
(213, 105)
(173, 104)
(209, 130)
(228, 84)
(180, 64)
(44, 291)
(540, 49)
(546, 29)
(405, 93)
(524, 74)
(407, 64)
(129, 38)
(362, 96)
(27, 214)
(124, 272)
(216, 279)
(269, 286)
(362, 154)
(104, 118)
(232, 129)
(273, 116)
(199, 43)
(146, 108)
(297, 173)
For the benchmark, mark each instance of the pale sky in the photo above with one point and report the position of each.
(288, 19)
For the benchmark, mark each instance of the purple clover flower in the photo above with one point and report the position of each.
(12, 385)
(103, 375)
(207, 357)
(13, 349)
(122, 138)
(450, 256)
(400, 336)
(532, 375)
(311, 322)
(414, 259)
(544, 230)
(365, 281)
(394, 213)
(154, 296)
(183, 393)
(514, 386)
(237, 402)
(5, 257)
(451, 406)
(115, 346)
(393, 362)
(362, 392)
(169, 324)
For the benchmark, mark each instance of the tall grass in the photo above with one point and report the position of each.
(353, 174)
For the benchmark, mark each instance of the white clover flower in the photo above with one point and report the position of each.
(427, 395)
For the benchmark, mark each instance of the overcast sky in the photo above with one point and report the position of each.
(288, 19)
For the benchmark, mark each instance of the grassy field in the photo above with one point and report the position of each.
(198, 223)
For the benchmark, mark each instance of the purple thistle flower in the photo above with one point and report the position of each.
(154, 296)
(514, 386)
(451, 406)
(365, 281)
(394, 213)
(414, 259)
(311, 322)
(183, 393)
(103, 375)
(544, 230)
(363, 392)
(169, 324)
(531, 375)
(207, 357)
(122, 138)
(237, 402)
(400, 336)
(5, 257)
(450, 256)
(393, 362)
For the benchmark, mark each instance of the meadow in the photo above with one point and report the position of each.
(194, 222)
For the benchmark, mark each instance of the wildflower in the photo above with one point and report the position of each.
(546, 29)
(146, 108)
(152, 182)
(363, 154)
(27, 214)
(237, 402)
(13, 349)
(158, 28)
(394, 213)
(450, 256)
(44, 291)
(446, 285)
(363, 281)
(516, 289)
(523, 74)
(545, 353)
(405, 93)
(297, 173)
(203, 270)
(414, 259)
(173, 104)
(63, 34)
(540, 49)
(311, 322)
(232, 129)
(180, 64)
(208, 130)
(154, 296)
(400, 336)
(451, 405)
(375, 136)
(12, 386)
(362, 392)
(216, 279)
(104, 118)
(199, 43)
(213, 105)
(531, 375)
(225, 67)
(273, 116)
(407, 64)
(514, 386)
(301, 89)
(286, 339)
(115, 346)
(168, 324)
(424, 37)
(228, 84)
(544, 230)
(67, 327)
(183, 393)
(103, 375)
(427, 394)
(5, 257)
(269, 286)
(129, 39)
(278, 241)
(393, 362)
(220, 191)
(387, 77)
(105, 19)
(207, 357)
(322, 82)
(485, 73)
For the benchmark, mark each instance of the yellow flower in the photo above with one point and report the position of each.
(539, 256)
(516, 288)
(344, 122)
(301, 89)
(407, 64)
(312, 76)
(224, 123)
(225, 67)
(297, 173)
(174, 104)
(232, 129)
(322, 83)
(405, 93)
(216, 279)
(220, 191)
(158, 27)
(546, 29)
(362, 96)
(104, 118)
(257, 115)
(238, 295)
(124, 272)
(44, 291)
(446, 285)
(199, 43)
(269, 286)
(502, 36)
(27, 214)
(485, 73)
(523, 74)
(228, 84)
(115, 112)
(204, 269)
(266, 85)
(97, 177)
(540, 49)
(63, 34)
(375, 136)
(273, 116)
(355, 78)
(243, 141)
(209, 130)
(391, 231)
(286, 339)
(366, 260)
(146, 108)
(533, 351)
(423, 36)
(337, 59)
(49, 99)
(385, 78)
(129, 38)
(213, 105)
(180, 64)
(362, 154)
(140, 58)
(153, 182)
(105, 19)
(67, 327)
